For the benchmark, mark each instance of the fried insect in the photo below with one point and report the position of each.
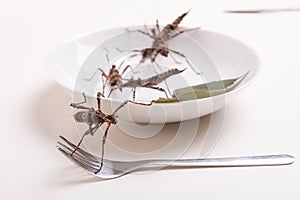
(147, 83)
(95, 118)
(160, 39)
(160, 42)
(114, 78)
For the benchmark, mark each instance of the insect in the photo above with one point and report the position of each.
(114, 77)
(160, 42)
(95, 118)
(147, 83)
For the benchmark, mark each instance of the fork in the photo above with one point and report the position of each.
(113, 169)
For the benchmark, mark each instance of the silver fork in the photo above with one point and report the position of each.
(113, 169)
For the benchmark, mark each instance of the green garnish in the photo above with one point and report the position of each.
(203, 90)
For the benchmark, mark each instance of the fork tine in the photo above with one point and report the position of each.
(75, 158)
(80, 151)
(75, 155)
(76, 161)
(92, 157)
(79, 156)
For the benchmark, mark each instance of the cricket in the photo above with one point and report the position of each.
(95, 118)
(160, 42)
(114, 79)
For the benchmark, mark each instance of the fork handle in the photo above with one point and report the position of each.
(264, 160)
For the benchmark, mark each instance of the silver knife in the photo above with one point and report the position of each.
(258, 11)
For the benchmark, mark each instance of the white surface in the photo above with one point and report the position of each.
(264, 120)
(73, 61)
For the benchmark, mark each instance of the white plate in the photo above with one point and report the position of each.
(216, 55)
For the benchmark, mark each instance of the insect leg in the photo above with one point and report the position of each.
(103, 82)
(143, 104)
(111, 90)
(183, 31)
(140, 31)
(133, 93)
(160, 89)
(120, 106)
(77, 146)
(154, 54)
(99, 94)
(103, 144)
(89, 131)
(186, 60)
(128, 58)
(78, 105)
(154, 68)
(176, 61)
(124, 70)
(147, 31)
(157, 26)
(103, 73)
(134, 90)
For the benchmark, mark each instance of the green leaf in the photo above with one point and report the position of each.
(203, 90)
(166, 100)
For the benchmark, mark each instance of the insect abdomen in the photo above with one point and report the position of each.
(154, 80)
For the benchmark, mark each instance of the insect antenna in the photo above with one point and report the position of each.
(129, 56)
(91, 77)
(107, 58)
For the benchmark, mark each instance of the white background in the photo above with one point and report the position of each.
(34, 109)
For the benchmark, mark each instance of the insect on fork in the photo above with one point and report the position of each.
(95, 118)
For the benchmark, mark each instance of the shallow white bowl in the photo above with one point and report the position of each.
(230, 57)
